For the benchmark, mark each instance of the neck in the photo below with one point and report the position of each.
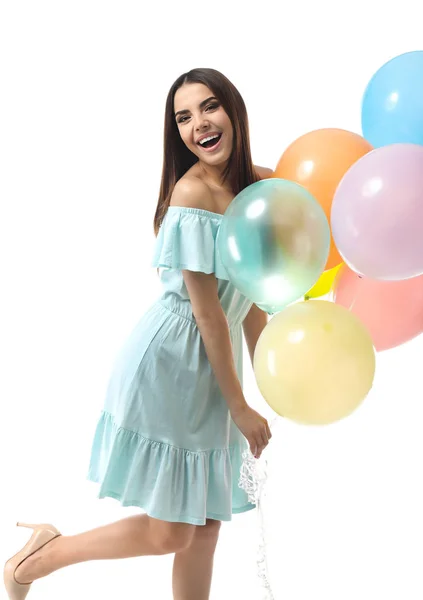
(213, 174)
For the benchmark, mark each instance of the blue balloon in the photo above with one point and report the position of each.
(274, 242)
(392, 107)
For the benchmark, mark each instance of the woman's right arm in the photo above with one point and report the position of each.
(214, 330)
(213, 326)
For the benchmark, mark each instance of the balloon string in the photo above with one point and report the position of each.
(253, 478)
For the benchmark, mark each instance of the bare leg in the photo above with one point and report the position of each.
(193, 566)
(138, 535)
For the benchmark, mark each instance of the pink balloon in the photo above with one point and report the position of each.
(391, 310)
(377, 213)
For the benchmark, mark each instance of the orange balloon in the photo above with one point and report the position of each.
(318, 161)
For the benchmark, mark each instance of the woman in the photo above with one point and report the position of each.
(175, 421)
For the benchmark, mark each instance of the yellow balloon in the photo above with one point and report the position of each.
(314, 362)
(324, 283)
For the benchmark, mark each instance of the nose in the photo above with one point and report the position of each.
(201, 122)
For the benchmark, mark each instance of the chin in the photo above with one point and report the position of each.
(219, 162)
(214, 161)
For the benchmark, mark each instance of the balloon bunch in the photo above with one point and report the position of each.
(342, 212)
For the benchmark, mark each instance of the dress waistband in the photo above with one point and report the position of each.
(184, 311)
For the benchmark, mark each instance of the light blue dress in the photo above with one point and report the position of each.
(165, 440)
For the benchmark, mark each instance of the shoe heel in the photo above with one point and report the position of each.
(18, 524)
(39, 527)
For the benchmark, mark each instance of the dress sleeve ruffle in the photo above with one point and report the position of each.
(187, 241)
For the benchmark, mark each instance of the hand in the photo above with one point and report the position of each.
(254, 427)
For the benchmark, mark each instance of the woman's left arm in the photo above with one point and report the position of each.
(256, 320)
(263, 172)
(254, 323)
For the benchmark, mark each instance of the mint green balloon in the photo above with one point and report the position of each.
(274, 242)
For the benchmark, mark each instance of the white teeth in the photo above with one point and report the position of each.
(212, 137)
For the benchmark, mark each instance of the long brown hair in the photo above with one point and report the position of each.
(177, 158)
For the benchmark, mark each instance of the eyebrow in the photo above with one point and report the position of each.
(202, 105)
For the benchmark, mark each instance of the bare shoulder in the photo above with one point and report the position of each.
(191, 192)
(263, 172)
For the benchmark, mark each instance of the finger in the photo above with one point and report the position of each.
(257, 446)
(269, 433)
(264, 440)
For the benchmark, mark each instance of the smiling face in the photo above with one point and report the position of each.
(203, 124)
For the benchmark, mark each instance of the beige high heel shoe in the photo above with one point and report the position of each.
(42, 535)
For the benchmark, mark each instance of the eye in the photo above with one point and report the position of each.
(212, 106)
(182, 119)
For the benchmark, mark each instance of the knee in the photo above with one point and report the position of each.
(168, 538)
(208, 535)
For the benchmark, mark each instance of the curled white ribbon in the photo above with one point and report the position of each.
(253, 478)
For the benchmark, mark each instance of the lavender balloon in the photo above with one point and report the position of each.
(377, 213)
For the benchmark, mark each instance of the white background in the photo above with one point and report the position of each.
(83, 87)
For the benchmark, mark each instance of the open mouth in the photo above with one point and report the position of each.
(210, 142)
